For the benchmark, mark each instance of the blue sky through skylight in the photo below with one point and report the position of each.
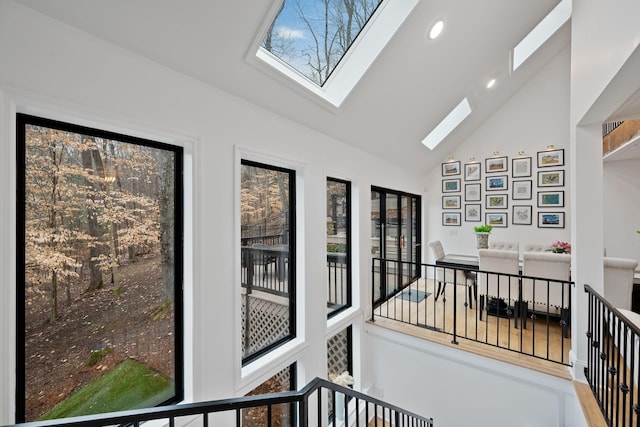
(312, 36)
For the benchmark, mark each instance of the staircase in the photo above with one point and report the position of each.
(308, 407)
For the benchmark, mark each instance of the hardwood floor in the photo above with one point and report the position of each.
(497, 337)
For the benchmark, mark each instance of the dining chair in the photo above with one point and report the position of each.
(535, 247)
(618, 281)
(542, 294)
(506, 246)
(446, 275)
(494, 280)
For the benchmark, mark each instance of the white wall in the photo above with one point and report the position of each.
(50, 69)
(457, 388)
(621, 179)
(533, 118)
(605, 63)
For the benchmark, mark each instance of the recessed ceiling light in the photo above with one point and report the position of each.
(491, 83)
(436, 29)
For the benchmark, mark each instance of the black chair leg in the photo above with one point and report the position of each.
(441, 289)
(481, 309)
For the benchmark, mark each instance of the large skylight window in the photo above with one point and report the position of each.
(312, 36)
(326, 46)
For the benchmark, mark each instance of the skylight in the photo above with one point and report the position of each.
(326, 46)
(448, 124)
(313, 36)
(541, 33)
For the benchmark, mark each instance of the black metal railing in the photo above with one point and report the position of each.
(265, 268)
(613, 366)
(524, 314)
(308, 404)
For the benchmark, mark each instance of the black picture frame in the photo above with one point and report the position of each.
(451, 185)
(451, 202)
(551, 158)
(497, 219)
(451, 219)
(551, 178)
(451, 168)
(473, 192)
(521, 189)
(521, 167)
(551, 219)
(496, 164)
(473, 171)
(521, 214)
(551, 199)
(473, 212)
(496, 201)
(497, 183)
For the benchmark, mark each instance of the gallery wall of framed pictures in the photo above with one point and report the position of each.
(501, 192)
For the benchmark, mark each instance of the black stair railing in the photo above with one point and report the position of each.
(613, 361)
(309, 409)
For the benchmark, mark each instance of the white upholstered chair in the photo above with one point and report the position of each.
(506, 246)
(498, 286)
(535, 247)
(618, 281)
(446, 275)
(542, 294)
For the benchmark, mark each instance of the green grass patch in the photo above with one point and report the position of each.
(129, 385)
(96, 356)
(162, 311)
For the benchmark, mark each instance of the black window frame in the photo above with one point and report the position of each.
(22, 121)
(291, 272)
(349, 303)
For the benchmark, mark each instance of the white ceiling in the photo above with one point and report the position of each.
(413, 84)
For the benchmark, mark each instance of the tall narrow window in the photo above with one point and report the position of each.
(268, 257)
(99, 271)
(338, 245)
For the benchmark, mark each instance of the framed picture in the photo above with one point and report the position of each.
(550, 158)
(451, 168)
(550, 199)
(472, 171)
(496, 164)
(550, 219)
(496, 201)
(521, 215)
(473, 212)
(553, 178)
(450, 185)
(521, 190)
(496, 219)
(472, 192)
(496, 183)
(521, 167)
(450, 202)
(451, 218)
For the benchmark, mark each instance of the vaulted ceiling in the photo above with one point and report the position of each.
(411, 86)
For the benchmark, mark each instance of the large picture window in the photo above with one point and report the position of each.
(99, 282)
(268, 257)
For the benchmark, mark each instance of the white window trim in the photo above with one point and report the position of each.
(13, 101)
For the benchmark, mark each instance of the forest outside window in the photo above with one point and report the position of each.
(100, 271)
(268, 257)
(338, 246)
